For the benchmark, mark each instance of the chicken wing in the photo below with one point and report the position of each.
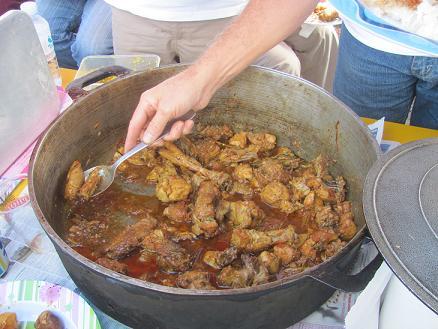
(203, 216)
(75, 179)
(220, 259)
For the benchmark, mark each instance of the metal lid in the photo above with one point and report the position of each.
(401, 209)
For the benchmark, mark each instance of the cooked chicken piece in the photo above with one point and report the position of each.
(174, 155)
(240, 140)
(264, 141)
(171, 257)
(277, 195)
(320, 166)
(233, 155)
(326, 193)
(253, 241)
(91, 184)
(312, 181)
(178, 236)
(261, 273)
(326, 218)
(203, 216)
(75, 179)
(287, 158)
(332, 249)
(317, 242)
(162, 169)
(86, 233)
(299, 188)
(332, 192)
(261, 276)
(187, 146)
(274, 193)
(243, 189)
(251, 273)
(347, 227)
(344, 208)
(308, 249)
(286, 235)
(309, 200)
(270, 260)
(130, 238)
(220, 259)
(291, 269)
(48, 320)
(286, 253)
(178, 212)
(194, 280)
(172, 188)
(8, 320)
(243, 173)
(268, 171)
(124, 165)
(231, 277)
(145, 157)
(205, 149)
(238, 277)
(177, 233)
(250, 240)
(113, 265)
(242, 214)
(196, 180)
(218, 133)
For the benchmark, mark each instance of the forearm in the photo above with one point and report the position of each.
(262, 25)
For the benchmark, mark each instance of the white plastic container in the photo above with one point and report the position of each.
(43, 31)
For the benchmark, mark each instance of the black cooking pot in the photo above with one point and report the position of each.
(303, 116)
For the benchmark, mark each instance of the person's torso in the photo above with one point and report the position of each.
(372, 36)
(181, 10)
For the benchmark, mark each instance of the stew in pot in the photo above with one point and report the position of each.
(217, 209)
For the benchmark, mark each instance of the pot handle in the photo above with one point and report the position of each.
(338, 278)
(76, 88)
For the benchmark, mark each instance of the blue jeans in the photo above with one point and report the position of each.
(374, 83)
(79, 28)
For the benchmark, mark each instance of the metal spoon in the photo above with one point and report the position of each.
(108, 172)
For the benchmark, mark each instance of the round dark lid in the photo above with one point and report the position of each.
(401, 209)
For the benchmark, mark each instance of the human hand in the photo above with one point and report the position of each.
(169, 100)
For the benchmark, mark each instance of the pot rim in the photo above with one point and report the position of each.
(60, 243)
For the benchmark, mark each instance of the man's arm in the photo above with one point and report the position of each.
(261, 26)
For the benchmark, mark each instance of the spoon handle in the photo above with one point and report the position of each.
(188, 116)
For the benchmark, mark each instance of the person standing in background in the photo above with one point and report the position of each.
(180, 31)
(79, 28)
(377, 76)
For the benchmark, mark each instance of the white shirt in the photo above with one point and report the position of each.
(181, 10)
(381, 43)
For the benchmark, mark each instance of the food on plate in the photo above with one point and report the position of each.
(8, 320)
(48, 320)
(325, 12)
(415, 16)
(231, 209)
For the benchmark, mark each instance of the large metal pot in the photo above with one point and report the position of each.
(303, 117)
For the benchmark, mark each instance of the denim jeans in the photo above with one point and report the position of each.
(79, 28)
(374, 83)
